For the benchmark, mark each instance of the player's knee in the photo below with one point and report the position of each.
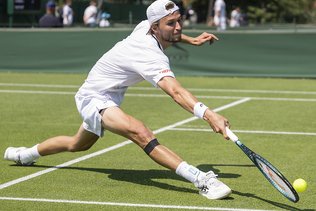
(143, 134)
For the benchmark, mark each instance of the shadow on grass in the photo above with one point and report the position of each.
(213, 167)
(150, 177)
(142, 177)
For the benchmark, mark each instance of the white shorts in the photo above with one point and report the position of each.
(90, 107)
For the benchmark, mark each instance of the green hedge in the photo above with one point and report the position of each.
(236, 54)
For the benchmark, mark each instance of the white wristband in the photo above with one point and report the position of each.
(199, 110)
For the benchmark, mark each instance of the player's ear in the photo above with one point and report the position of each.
(154, 27)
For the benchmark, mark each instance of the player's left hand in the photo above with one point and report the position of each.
(203, 38)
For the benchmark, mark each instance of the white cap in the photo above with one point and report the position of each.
(159, 9)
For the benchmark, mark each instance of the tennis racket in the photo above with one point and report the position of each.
(272, 174)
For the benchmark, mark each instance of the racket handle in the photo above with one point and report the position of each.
(231, 135)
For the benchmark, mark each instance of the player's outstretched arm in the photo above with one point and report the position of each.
(199, 40)
(190, 103)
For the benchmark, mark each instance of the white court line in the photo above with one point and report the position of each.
(39, 173)
(249, 131)
(36, 92)
(229, 97)
(161, 206)
(152, 88)
(40, 85)
(236, 90)
(163, 95)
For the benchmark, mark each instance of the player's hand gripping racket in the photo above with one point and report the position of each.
(272, 174)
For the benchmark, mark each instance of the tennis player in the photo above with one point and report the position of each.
(138, 57)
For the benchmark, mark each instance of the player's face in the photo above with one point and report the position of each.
(169, 29)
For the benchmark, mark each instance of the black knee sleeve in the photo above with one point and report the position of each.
(151, 146)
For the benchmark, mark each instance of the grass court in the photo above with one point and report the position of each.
(274, 117)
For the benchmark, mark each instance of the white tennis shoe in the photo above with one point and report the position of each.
(212, 188)
(13, 154)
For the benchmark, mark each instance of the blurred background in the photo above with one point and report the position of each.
(270, 38)
(197, 13)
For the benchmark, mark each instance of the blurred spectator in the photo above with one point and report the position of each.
(49, 19)
(190, 16)
(67, 13)
(104, 22)
(90, 14)
(235, 18)
(243, 19)
(220, 15)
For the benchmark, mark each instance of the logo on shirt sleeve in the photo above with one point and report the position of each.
(165, 71)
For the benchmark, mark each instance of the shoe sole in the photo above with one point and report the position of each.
(218, 198)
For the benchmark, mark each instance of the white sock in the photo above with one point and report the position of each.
(30, 154)
(189, 172)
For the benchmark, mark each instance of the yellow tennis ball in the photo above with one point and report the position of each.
(300, 185)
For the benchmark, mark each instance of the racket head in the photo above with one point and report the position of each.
(272, 174)
(275, 177)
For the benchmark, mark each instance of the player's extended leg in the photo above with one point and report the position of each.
(82, 140)
(115, 120)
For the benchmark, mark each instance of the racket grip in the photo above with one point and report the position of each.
(231, 135)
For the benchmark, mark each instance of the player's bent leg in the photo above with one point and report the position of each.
(116, 121)
(165, 157)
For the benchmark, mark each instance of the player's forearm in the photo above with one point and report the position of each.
(187, 39)
(179, 94)
(185, 99)
(191, 104)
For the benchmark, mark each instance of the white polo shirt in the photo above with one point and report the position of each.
(138, 57)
